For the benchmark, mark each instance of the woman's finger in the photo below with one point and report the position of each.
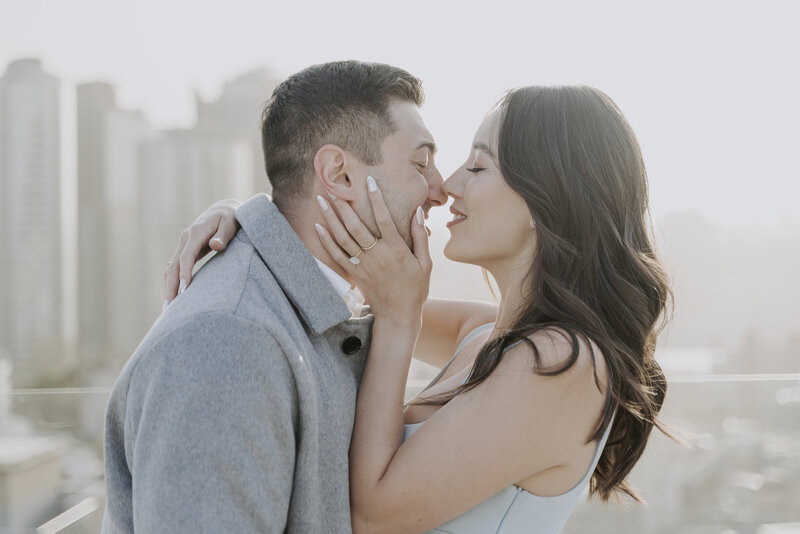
(191, 253)
(172, 272)
(212, 230)
(352, 222)
(382, 216)
(224, 235)
(336, 252)
(337, 229)
(419, 236)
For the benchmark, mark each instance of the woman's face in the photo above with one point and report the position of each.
(491, 223)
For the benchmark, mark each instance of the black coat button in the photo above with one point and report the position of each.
(351, 345)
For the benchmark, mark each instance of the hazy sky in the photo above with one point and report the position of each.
(711, 88)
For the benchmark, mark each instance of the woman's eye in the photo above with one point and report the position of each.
(423, 166)
(475, 170)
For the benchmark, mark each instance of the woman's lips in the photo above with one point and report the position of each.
(457, 217)
(455, 221)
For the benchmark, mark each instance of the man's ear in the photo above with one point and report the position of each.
(330, 168)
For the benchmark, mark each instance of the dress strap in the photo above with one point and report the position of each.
(472, 335)
(469, 337)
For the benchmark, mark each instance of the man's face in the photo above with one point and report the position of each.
(408, 176)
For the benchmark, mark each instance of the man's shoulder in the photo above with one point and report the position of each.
(213, 337)
(206, 354)
(236, 281)
(233, 315)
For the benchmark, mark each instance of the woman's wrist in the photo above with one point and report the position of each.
(405, 323)
(404, 328)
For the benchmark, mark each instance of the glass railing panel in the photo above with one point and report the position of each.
(740, 472)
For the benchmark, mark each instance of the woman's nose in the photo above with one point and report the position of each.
(451, 186)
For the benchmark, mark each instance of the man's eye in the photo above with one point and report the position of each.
(423, 166)
(475, 170)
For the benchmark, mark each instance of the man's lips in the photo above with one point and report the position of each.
(426, 208)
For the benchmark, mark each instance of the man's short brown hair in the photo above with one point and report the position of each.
(343, 103)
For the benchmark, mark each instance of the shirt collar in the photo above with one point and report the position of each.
(341, 285)
(351, 296)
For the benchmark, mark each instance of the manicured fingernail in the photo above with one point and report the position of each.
(333, 197)
(218, 240)
(371, 185)
(322, 203)
(164, 307)
(320, 230)
(182, 286)
(420, 216)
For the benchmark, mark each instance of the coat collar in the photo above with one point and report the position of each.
(317, 302)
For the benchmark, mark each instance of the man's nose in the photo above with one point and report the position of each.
(436, 195)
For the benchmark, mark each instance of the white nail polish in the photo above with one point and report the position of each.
(322, 203)
(371, 185)
(332, 196)
(320, 230)
(182, 286)
(420, 216)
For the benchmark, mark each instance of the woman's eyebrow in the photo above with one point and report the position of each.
(485, 148)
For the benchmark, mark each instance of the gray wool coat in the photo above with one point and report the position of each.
(235, 412)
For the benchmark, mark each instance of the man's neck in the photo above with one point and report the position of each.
(303, 226)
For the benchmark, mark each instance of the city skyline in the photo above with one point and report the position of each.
(129, 170)
(708, 89)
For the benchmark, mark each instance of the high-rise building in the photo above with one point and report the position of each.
(109, 242)
(139, 188)
(126, 132)
(31, 327)
(236, 113)
(95, 101)
(182, 173)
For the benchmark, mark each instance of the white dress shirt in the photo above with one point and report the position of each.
(351, 296)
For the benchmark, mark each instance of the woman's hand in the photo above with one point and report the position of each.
(392, 278)
(212, 230)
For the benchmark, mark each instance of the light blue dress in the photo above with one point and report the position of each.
(514, 510)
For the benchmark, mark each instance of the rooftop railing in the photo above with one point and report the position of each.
(739, 472)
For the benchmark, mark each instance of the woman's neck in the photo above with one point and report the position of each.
(511, 280)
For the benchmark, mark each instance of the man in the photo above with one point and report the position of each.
(235, 412)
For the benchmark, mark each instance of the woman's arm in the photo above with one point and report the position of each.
(212, 230)
(444, 322)
(515, 424)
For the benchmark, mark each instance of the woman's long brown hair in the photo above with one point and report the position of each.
(571, 154)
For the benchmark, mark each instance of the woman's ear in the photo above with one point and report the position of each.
(330, 168)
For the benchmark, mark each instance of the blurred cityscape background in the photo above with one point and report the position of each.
(84, 245)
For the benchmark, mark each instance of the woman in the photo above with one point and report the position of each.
(553, 391)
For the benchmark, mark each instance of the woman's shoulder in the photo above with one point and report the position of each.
(564, 383)
(546, 411)
(555, 350)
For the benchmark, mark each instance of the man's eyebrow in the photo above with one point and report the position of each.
(485, 148)
(430, 145)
